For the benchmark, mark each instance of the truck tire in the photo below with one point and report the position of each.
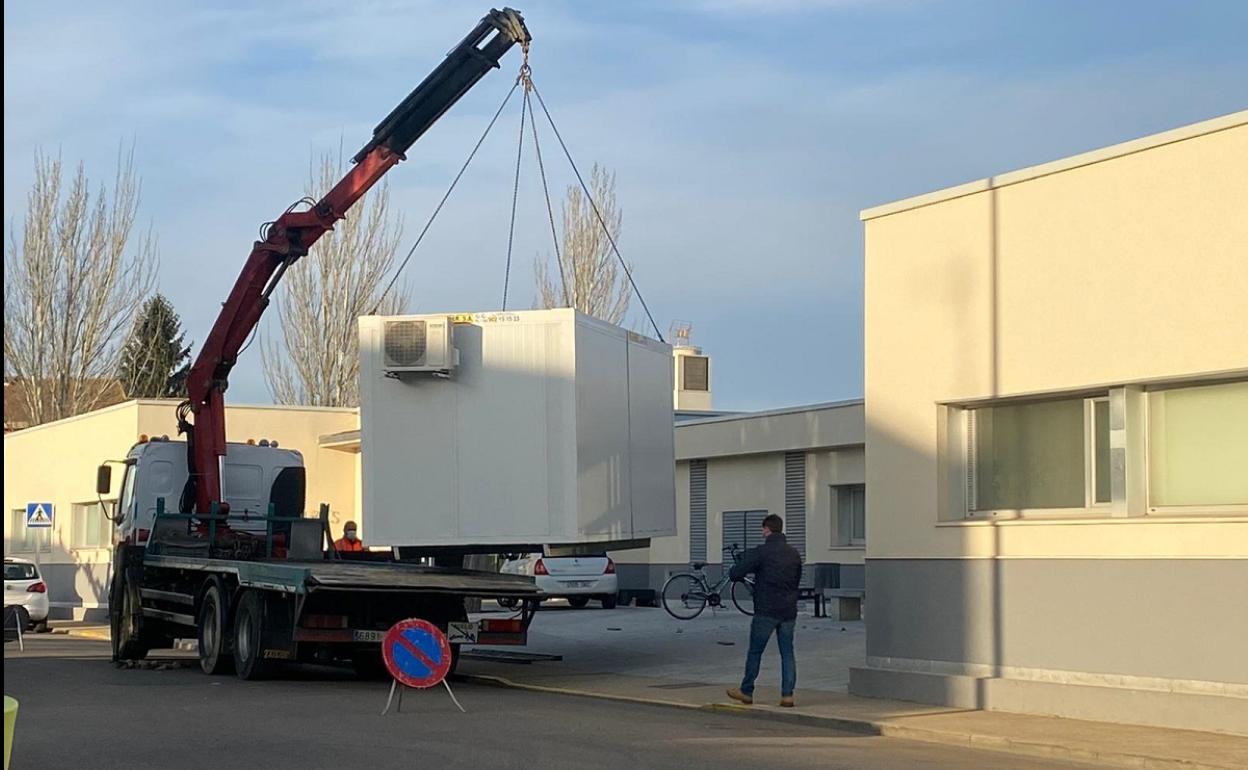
(126, 621)
(249, 627)
(214, 638)
(578, 602)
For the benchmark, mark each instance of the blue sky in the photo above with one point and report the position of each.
(746, 135)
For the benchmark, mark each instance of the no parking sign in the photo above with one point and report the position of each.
(416, 653)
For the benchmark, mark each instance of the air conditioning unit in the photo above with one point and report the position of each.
(418, 345)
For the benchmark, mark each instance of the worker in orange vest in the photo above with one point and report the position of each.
(348, 542)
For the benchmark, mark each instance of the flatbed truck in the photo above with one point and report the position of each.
(213, 541)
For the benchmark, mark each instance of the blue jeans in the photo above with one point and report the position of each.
(760, 633)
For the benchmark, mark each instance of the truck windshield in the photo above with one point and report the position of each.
(126, 503)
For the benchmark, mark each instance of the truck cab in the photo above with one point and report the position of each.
(254, 477)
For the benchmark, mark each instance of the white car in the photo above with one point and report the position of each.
(575, 578)
(24, 587)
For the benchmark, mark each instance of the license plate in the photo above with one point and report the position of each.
(462, 633)
(578, 583)
(359, 635)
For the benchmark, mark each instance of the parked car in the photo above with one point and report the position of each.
(24, 589)
(575, 578)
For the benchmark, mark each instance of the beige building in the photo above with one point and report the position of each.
(804, 463)
(1057, 437)
(56, 463)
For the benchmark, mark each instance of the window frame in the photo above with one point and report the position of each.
(1090, 467)
(1150, 509)
(969, 462)
(849, 542)
(18, 521)
(1131, 456)
(97, 508)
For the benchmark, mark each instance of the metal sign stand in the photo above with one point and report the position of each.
(416, 654)
(394, 685)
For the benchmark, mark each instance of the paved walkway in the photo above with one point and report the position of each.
(643, 655)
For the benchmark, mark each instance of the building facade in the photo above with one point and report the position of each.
(1057, 437)
(56, 462)
(803, 463)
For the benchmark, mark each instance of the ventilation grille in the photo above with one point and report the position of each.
(697, 373)
(697, 510)
(795, 507)
(742, 528)
(405, 343)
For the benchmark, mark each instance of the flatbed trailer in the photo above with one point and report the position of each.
(283, 596)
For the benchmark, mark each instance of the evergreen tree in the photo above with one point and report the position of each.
(155, 361)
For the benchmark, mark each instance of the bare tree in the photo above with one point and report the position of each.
(72, 286)
(342, 278)
(592, 279)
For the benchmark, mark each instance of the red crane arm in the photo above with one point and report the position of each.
(294, 232)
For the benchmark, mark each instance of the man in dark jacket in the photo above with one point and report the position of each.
(777, 569)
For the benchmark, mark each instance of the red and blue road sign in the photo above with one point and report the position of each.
(416, 653)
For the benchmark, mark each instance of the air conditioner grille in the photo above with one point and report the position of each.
(405, 343)
(697, 373)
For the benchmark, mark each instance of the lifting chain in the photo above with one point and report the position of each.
(525, 79)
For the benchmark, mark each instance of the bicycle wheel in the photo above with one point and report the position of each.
(743, 596)
(684, 596)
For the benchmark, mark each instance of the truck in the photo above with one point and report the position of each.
(212, 537)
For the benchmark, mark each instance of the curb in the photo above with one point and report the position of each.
(98, 634)
(888, 729)
(104, 635)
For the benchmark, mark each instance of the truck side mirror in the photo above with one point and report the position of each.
(103, 479)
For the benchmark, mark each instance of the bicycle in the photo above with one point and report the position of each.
(686, 594)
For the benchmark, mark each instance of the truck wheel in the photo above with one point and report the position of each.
(249, 661)
(214, 653)
(578, 602)
(126, 623)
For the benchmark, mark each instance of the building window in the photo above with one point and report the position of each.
(92, 529)
(696, 373)
(1040, 455)
(743, 529)
(850, 504)
(22, 539)
(1198, 446)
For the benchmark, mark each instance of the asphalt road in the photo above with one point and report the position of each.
(77, 710)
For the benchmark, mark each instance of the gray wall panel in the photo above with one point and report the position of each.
(1181, 619)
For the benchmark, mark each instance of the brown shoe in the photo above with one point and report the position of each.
(787, 702)
(737, 695)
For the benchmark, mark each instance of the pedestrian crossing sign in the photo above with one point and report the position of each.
(39, 515)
